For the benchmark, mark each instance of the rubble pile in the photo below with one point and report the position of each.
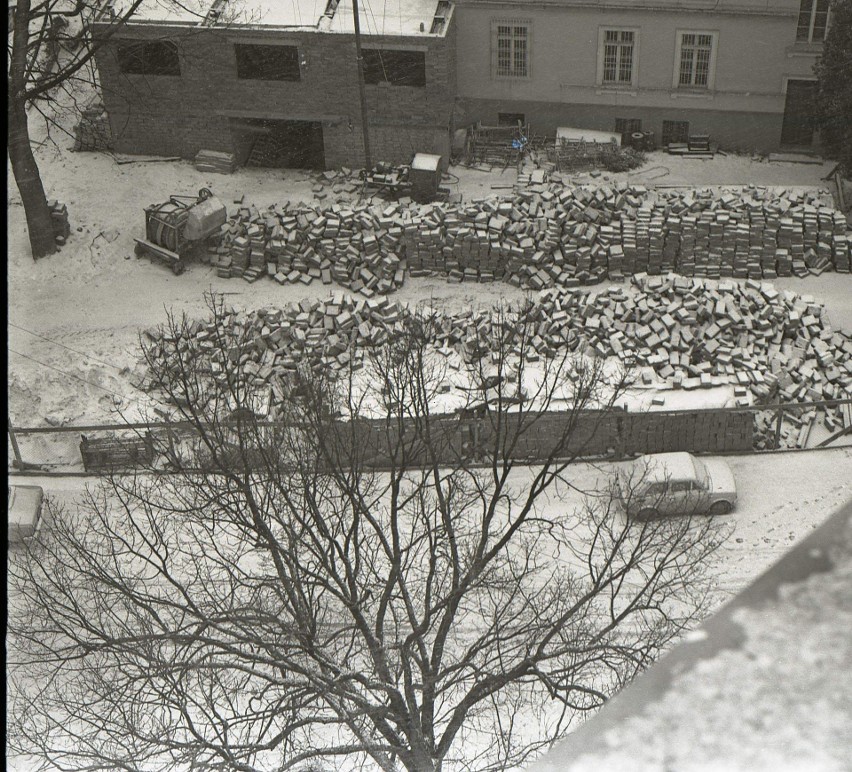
(545, 235)
(679, 332)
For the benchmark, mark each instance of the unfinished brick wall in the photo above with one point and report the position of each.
(169, 115)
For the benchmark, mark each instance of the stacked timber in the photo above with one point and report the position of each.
(215, 162)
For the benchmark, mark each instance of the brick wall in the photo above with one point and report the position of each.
(589, 434)
(181, 115)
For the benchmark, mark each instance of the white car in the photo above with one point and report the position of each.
(676, 484)
(25, 505)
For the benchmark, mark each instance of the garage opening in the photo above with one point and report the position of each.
(278, 144)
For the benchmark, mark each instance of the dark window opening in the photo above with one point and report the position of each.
(149, 57)
(813, 21)
(510, 119)
(267, 62)
(399, 68)
(675, 131)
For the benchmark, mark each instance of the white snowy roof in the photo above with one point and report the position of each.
(403, 17)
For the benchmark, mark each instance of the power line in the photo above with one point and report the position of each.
(62, 345)
(77, 377)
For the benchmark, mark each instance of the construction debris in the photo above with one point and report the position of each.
(545, 235)
(676, 332)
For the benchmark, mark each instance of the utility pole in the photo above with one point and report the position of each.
(367, 162)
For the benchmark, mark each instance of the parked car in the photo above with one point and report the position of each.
(677, 484)
(25, 505)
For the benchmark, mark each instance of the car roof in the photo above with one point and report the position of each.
(667, 466)
(24, 501)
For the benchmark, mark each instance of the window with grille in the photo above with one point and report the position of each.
(813, 21)
(697, 50)
(399, 68)
(627, 126)
(255, 62)
(511, 49)
(618, 49)
(148, 57)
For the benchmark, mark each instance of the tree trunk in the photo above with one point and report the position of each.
(28, 179)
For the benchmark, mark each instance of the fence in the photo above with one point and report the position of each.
(614, 434)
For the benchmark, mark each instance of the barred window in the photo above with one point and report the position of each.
(813, 21)
(696, 59)
(511, 49)
(618, 48)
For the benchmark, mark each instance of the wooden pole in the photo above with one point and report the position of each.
(18, 463)
(367, 161)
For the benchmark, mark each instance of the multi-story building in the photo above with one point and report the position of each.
(740, 70)
(279, 80)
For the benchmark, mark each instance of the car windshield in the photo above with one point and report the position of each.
(702, 476)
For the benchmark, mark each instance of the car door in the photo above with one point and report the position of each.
(679, 499)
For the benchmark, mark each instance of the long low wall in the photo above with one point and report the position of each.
(454, 438)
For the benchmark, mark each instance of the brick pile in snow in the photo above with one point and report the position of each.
(685, 332)
(545, 235)
(93, 131)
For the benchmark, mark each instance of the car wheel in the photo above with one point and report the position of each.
(721, 508)
(648, 513)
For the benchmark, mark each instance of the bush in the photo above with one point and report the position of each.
(623, 160)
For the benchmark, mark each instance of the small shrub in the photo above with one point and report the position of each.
(623, 160)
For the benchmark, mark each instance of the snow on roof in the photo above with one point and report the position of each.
(377, 17)
(668, 466)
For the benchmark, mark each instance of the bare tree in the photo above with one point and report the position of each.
(354, 582)
(50, 44)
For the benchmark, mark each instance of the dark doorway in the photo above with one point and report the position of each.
(676, 132)
(279, 144)
(798, 127)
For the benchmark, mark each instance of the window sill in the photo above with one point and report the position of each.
(617, 90)
(512, 77)
(803, 49)
(691, 94)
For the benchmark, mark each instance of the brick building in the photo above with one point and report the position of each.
(276, 82)
(740, 70)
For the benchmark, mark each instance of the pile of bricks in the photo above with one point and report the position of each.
(93, 131)
(679, 332)
(548, 235)
(357, 247)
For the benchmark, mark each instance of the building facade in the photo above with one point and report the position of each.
(739, 70)
(274, 83)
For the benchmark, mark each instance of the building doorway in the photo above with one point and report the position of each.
(278, 144)
(797, 130)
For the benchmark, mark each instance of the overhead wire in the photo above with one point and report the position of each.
(76, 377)
(69, 348)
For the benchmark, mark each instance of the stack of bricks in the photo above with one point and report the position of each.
(59, 222)
(93, 131)
(545, 236)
